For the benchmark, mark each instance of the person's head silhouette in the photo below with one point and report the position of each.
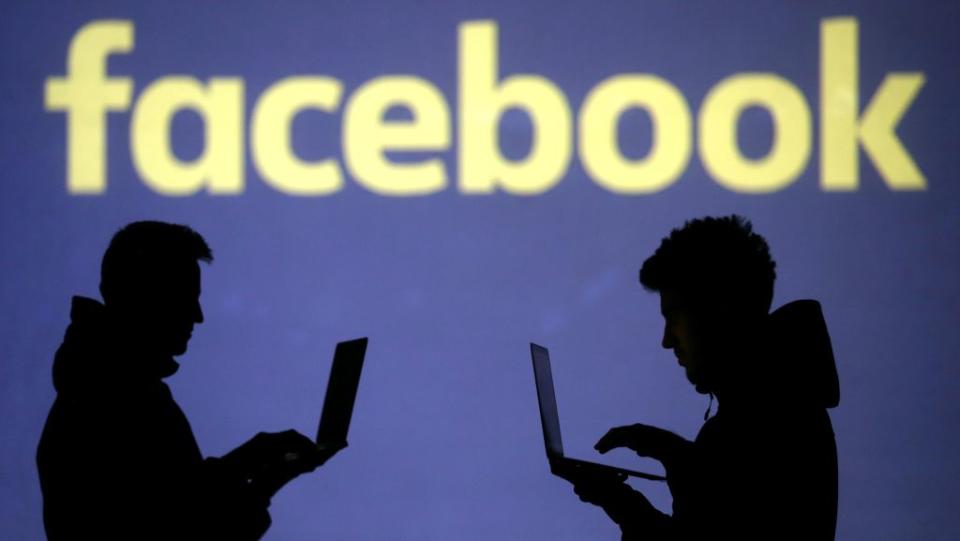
(150, 283)
(715, 279)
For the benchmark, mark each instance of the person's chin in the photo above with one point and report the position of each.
(179, 349)
(697, 383)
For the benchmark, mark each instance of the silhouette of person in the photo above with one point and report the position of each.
(117, 458)
(765, 465)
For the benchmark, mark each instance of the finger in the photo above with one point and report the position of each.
(594, 491)
(293, 441)
(330, 448)
(325, 453)
(584, 492)
(306, 448)
(611, 440)
(586, 496)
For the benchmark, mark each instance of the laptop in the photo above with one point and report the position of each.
(341, 394)
(550, 420)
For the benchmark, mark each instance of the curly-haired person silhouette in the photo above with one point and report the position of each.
(765, 466)
(117, 458)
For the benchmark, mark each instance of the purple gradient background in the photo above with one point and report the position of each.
(445, 442)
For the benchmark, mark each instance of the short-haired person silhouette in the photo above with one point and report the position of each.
(117, 458)
(765, 466)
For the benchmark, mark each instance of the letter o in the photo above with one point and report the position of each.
(718, 133)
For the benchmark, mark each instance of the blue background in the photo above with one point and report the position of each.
(445, 442)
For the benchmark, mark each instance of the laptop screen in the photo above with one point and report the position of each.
(341, 392)
(549, 417)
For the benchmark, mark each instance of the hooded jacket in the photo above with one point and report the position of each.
(118, 459)
(765, 466)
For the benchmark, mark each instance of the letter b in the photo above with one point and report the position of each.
(483, 101)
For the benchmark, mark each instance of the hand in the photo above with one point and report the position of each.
(646, 441)
(620, 502)
(272, 459)
(600, 489)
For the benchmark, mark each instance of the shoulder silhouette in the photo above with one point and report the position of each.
(117, 458)
(765, 465)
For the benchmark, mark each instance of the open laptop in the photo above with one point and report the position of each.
(341, 394)
(550, 420)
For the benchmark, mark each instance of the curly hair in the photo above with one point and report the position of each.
(714, 263)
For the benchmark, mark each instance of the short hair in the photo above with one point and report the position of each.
(714, 263)
(141, 251)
